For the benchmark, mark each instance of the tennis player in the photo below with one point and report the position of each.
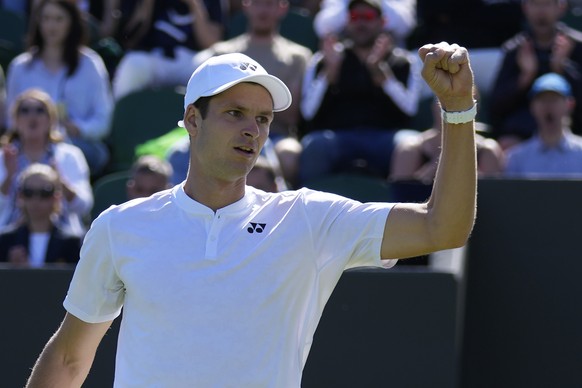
(223, 285)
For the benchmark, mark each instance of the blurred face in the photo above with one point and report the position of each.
(226, 143)
(32, 120)
(54, 24)
(365, 24)
(549, 109)
(38, 197)
(542, 15)
(145, 184)
(264, 15)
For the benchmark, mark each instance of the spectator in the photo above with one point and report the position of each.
(281, 57)
(58, 62)
(399, 18)
(149, 174)
(416, 157)
(545, 45)
(160, 38)
(553, 151)
(35, 139)
(36, 239)
(357, 95)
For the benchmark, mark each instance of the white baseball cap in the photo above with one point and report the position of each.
(222, 72)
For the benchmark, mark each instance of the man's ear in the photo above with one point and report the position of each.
(191, 119)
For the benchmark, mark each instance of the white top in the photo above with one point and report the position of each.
(86, 94)
(225, 299)
(37, 248)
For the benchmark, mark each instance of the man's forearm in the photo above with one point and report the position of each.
(453, 200)
(53, 370)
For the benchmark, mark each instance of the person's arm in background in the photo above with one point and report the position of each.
(322, 71)
(404, 94)
(446, 219)
(205, 30)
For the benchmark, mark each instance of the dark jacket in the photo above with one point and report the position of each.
(354, 101)
(62, 247)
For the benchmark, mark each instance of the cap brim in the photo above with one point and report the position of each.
(279, 92)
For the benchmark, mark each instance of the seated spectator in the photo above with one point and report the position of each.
(149, 174)
(160, 38)
(357, 95)
(554, 151)
(282, 58)
(416, 157)
(36, 239)
(545, 45)
(59, 62)
(35, 139)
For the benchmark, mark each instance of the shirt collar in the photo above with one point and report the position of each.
(192, 206)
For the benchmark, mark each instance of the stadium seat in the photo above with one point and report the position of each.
(139, 117)
(109, 190)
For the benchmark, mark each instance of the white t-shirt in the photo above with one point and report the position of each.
(225, 299)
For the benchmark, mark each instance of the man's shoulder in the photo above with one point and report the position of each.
(135, 208)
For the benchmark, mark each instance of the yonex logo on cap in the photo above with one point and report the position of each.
(245, 65)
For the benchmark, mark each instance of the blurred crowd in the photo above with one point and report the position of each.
(359, 103)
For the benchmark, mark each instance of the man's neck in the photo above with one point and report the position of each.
(213, 193)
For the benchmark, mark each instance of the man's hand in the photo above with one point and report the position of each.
(447, 72)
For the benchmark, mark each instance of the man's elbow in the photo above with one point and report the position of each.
(453, 237)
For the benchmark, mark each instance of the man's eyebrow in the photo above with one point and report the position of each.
(243, 108)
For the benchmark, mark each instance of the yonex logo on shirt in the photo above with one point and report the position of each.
(256, 227)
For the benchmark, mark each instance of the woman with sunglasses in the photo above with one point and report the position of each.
(35, 139)
(59, 62)
(36, 239)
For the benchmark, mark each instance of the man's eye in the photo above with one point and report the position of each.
(234, 113)
(263, 120)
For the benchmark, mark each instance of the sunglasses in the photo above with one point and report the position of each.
(367, 15)
(26, 110)
(43, 193)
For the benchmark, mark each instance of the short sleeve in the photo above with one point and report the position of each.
(96, 292)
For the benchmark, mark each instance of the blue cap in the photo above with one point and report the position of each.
(551, 82)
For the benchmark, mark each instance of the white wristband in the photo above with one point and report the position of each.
(460, 117)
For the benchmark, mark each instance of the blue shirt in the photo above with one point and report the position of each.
(533, 158)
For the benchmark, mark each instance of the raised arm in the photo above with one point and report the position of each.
(446, 219)
(68, 355)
